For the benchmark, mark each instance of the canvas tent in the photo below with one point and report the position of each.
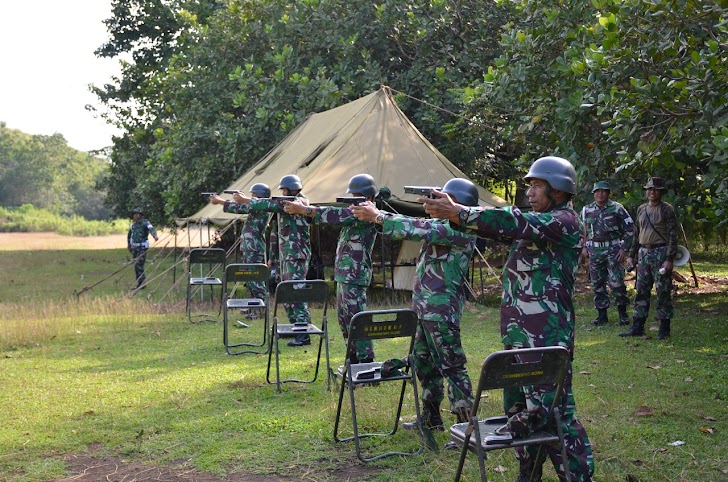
(369, 135)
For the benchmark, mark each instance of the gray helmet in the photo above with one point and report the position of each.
(291, 182)
(363, 184)
(260, 189)
(463, 190)
(556, 171)
(137, 211)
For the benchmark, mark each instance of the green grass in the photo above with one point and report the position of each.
(28, 218)
(142, 383)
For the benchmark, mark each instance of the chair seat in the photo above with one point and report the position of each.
(457, 434)
(235, 303)
(288, 329)
(210, 280)
(357, 368)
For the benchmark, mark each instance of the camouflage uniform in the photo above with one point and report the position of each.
(609, 229)
(294, 249)
(438, 298)
(661, 220)
(353, 270)
(252, 241)
(138, 242)
(537, 311)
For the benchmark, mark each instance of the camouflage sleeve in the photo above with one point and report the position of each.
(627, 229)
(151, 229)
(335, 215)
(235, 208)
(668, 213)
(636, 236)
(265, 205)
(512, 223)
(273, 243)
(128, 235)
(429, 230)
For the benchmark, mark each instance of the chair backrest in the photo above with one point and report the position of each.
(207, 256)
(376, 325)
(529, 366)
(299, 291)
(240, 273)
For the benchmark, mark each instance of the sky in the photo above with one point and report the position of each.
(46, 64)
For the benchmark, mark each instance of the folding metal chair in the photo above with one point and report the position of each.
(213, 259)
(510, 369)
(400, 323)
(295, 291)
(236, 274)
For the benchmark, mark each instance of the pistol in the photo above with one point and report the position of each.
(351, 201)
(208, 194)
(232, 191)
(282, 198)
(421, 190)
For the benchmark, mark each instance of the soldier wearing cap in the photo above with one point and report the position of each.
(438, 297)
(252, 236)
(537, 308)
(293, 239)
(353, 270)
(137, 241)
(655, 248)
(608, 234)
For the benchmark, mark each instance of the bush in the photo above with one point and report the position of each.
(29, 219)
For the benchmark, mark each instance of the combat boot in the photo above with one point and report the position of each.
(530, 471)
(664, 332)
(638, 328)
(623, 316)
(601, 318)
(430, 418)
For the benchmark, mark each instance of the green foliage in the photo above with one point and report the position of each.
(30, 219)
(46, 172)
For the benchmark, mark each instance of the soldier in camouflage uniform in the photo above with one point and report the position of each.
(655, 249)
(252, 237)
(608, 232)
(294, 245)
(137, 241)
(438, 297)
(353, 271)
(537, 308)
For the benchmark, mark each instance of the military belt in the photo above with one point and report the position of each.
(653, 246)
(145, 244)
(603, 244)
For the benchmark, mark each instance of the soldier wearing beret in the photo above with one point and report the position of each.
(608, 235)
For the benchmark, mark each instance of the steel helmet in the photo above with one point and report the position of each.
(556, 171)
(463, 190)
(137, 211)
(260, 189)
(291, 182)
(363, 184)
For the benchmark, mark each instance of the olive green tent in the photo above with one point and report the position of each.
(369, 135)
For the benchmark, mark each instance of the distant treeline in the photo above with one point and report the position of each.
(45, 172)
(28, 218)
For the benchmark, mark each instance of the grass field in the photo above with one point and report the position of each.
(131, 379)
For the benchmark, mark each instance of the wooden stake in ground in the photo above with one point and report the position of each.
(690, 259)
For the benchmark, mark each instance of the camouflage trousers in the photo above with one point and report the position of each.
(439, 355)
(350, 300)
(528, 408)
(648, 266)
(258, 289)
(295, 269)
(605, 269)
(140, 257)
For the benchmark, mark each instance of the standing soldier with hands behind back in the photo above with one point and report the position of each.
(609, 232)
(137, 241)
(656, 246)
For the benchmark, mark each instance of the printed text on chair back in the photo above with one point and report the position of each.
(521, 367)
(397, 323)
(239, 273)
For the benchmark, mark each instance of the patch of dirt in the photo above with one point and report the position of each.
(89, 467)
